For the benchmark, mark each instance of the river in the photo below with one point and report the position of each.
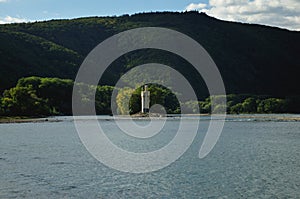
(255, 157)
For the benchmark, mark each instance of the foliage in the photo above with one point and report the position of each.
(272, 105)
(237, 104)
(163, 96)
(22, 101)
(123, 98)
(35, 96)
(158, 95)
(252, 59)
(103, 99)
(190, 106)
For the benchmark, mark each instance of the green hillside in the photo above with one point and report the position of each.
(252, 59)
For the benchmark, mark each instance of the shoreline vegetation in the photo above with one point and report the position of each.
(229, 117)
(43, 97)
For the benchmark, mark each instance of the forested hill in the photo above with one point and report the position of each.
(252, 59)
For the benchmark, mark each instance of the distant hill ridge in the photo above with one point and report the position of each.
(252, 59)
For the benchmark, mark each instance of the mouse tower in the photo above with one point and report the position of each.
(145, 96)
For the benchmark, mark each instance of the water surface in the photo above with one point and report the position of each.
(254, 158)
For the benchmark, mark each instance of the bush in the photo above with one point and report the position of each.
(272, 105)
(23, 101)
(249, 105)
(191, 107)
(236, 109)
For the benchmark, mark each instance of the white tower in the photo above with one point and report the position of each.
(145, 94)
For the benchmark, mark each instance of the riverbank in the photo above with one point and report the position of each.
(229, 117)
(4, 120)
(268, 117)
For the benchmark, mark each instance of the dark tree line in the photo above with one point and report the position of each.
(36, 96)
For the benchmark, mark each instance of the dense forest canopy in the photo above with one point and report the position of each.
(254, 59)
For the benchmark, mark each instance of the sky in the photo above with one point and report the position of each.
(279, 13)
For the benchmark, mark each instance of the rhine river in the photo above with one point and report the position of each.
(255, 157)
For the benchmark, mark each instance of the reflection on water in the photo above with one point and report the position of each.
(256, 156)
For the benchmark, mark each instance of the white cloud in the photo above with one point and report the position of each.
(9, 19)
(1, 1)
(280, 13)
(194, 6)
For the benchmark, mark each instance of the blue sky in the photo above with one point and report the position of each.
(279, 13)
(48, 9)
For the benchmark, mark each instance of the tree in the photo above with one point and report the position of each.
(33, 82)
(122, 99)
(158, 95)
(164, 96)
(135, 103)
(191, 106)
(205, 107)
(103, 99)
(272, 105)
(236, 109)
(249, 105)
(2, 112)
(23, 101)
